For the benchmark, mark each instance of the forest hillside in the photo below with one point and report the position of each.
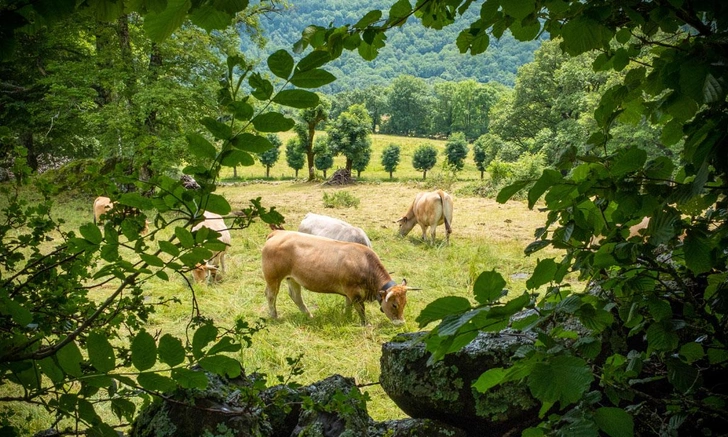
(411, 49)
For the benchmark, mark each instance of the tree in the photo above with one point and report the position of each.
(324, 159)
(424, 159)
(295, 156)
(270, 156)
(480, 156)
(361, 161)
(456, 150)
(349, 135)
(390, 158)
(373, 97)
(311, 118)
(410, 106)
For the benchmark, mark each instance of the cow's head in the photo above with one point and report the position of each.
(202, 272)
(406, 224)
(393, 301)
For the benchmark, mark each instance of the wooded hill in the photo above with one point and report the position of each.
(411, 49)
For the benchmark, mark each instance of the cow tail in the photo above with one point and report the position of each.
(448, 229)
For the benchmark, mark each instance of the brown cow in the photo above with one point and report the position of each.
(324, 265)
(428, 210)
(203, 272)
(102, 206)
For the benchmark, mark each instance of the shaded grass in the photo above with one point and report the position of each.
(486, 236)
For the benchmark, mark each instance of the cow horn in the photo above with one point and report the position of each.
(386, 298)
(413, 288)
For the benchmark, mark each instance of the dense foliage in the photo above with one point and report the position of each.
(390, 158)
(424, 158)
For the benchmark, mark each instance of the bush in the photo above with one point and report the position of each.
(340, 199)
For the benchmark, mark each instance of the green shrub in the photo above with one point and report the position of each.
(340, 199)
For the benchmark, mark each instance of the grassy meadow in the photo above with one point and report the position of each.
(374, 171)
(486, 235)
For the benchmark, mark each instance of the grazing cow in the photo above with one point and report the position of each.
(203, 272)
(429, 209)
(102, 205)
(329, 227)
(324, 265)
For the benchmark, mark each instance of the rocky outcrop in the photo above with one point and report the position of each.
(333, 407)
(443, 391)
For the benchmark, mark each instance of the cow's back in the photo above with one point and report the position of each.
(317, 263)
(330, 227)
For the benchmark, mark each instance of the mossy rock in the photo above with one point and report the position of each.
(443, 391)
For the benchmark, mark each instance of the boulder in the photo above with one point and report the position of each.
(414, 428)
(443, 391)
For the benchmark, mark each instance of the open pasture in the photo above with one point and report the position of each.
(486, 236)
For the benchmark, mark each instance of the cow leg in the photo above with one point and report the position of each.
(424, 232)
(347, 311)
(294, 290)
(359, 306)
(271, 294)
(434, 228)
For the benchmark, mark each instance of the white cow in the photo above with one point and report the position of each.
(203, 272)
(330, 227)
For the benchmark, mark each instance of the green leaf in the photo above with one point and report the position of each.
(51, 370)
(272, 122)
(509, 191)
(69, 358)
(218, 129)
(187, 378)
(662, 337)
(595, 319)
(170, 350)
(692, 352)
(313, 78)
(280, 63)
(451, 324)
(441, 308)
(548, 178)
(232, 158)
(543, 273)
(527, 32)
(209, 18)
(519, 9)
(100, 352)
(682, 376)
(698, 253)
(242, 111)
(204, 335)
(160, 25)
(488, 287)
(21, 315)
(582, 34)
(399, 10)
(629, 160)
(199, 146)
(152, 260)
(226, 344)
(156, 382)
(489, 379)
(252, 143)
(87, 412)
(615, 422)
(297, 98)
(91, 232)
(221, 365)
(168, 247)
(217, 204)
(123, 408)
(563, 378)
(143, 351)
(369, 18)
(262, 88)
(184, 236)
(315, 59)
(661, 167)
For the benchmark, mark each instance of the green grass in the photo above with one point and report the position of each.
(486, 236)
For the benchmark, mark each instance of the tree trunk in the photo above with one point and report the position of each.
(309, 151)
(390, 175)
(358, 174)
(349, 163)
(26, 139)
(267, 171)
(296, 173)
(324, 174)
(235, 171)
(424, 175)
(481, 174)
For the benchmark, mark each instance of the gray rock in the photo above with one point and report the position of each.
(443, 391)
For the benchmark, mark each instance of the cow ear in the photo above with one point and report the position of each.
(404, 281)
(401, 219)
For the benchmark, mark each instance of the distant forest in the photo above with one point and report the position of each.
(410, 50)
